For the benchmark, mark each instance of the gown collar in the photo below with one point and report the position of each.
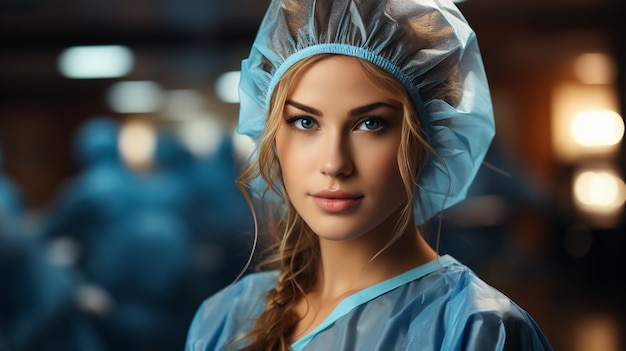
(372, 292)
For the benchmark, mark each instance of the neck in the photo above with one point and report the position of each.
(350, 266)
(347, 267)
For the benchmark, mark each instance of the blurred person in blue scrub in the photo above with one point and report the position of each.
(222, 208)
(165, 185)
(102, 193)
(221, 222)
(39, 308)
(369, 118)
(142, 262)
(11, 201)
(202, 193)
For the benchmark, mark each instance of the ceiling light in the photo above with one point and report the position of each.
(89, 62)
(135, 97)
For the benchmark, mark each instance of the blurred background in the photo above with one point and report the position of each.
(118, 212)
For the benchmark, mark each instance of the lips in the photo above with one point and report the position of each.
(336, 201)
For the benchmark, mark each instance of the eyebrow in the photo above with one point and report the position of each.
(303, 107)
(354, 112)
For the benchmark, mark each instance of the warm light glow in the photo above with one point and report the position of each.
(108, 61)
(135, 97)
(599, 191)
(597, 128)
(226, 86)
(597, 332)
(595, 68)
(583, 124)
(137, 143)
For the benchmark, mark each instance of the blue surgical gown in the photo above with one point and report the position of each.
(441, 305)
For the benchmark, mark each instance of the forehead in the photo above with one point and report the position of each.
(336, 80)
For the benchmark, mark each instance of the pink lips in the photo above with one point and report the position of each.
(336, 200)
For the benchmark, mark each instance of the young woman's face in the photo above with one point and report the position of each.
(337, 146)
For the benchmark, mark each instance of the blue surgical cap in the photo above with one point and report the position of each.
(427, 45)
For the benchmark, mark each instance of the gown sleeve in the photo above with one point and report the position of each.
(229, 314)
(480, 318)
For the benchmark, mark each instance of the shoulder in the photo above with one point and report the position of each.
(230, 313)
(242, 294)
(479, 317)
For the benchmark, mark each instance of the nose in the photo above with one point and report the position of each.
(335, 156)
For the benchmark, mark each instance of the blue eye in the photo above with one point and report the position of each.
(304, 123)
(371, 125)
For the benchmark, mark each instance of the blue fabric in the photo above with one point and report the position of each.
(441, 305)
(426, 45)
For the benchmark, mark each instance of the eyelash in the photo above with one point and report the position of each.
(291, 120)
(294, 118)
(383, 124)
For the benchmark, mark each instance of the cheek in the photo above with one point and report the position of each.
(293, 147)
(381, 168)
(290, 155)
(380, 160)
(281, 143)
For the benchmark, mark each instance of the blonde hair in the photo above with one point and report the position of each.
(294, 248)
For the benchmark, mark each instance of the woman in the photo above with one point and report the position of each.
(369, 117)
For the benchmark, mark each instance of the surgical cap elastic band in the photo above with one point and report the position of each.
(348, 50)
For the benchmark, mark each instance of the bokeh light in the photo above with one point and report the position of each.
(201, 135)
(595, 68)
(597, 128)
(135, 97)
(599, 190)
(90, 62)
(137, 143)
(243, 144)
(226, 86)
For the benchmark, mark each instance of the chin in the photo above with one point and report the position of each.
(337, 231)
